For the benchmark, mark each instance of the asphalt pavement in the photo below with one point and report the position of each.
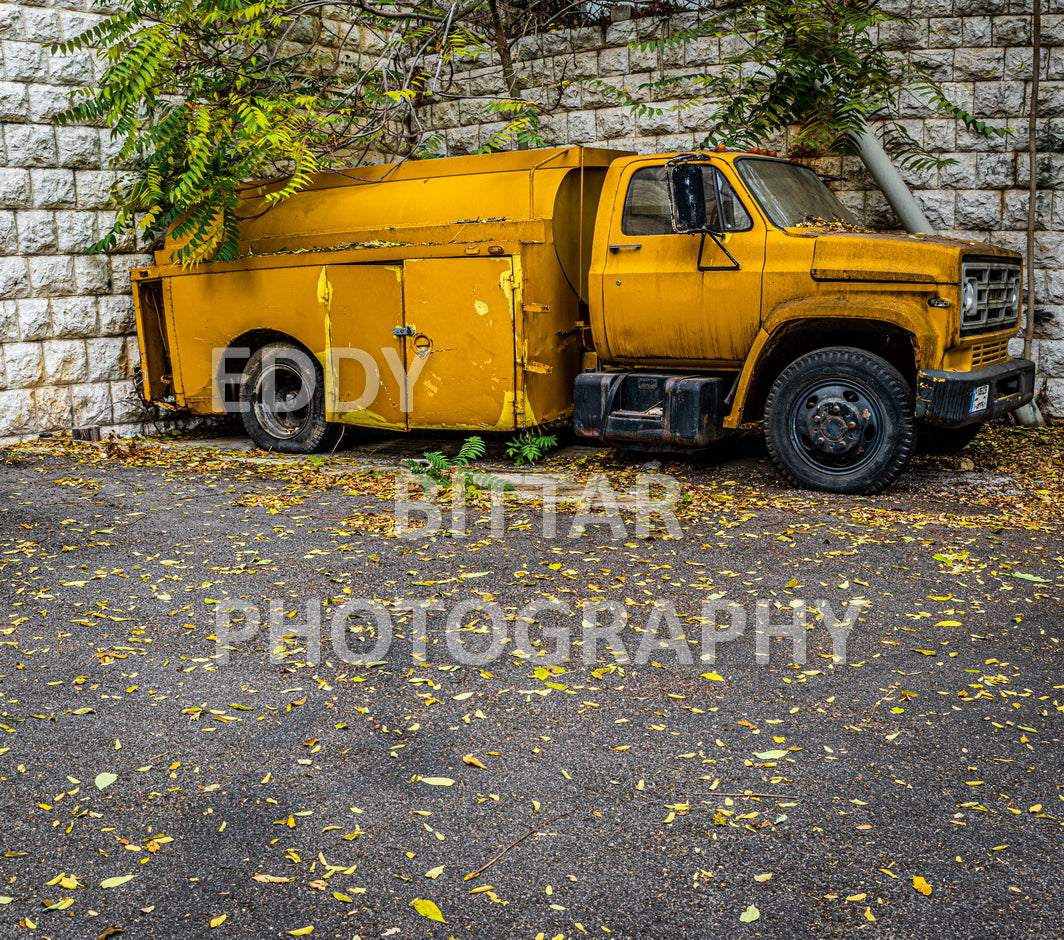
(632, 701)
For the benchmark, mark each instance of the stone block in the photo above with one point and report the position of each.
(30, 145)
(613, 61)
(655, 124)
(940, 136)
(64, 361)
(52, 189)
(51, 275)
(127, 407)
(980, 7)
(16, 412)
(72, 68)
(51, 408)
(116, 316)
(15, 188)
(74, 23)
(960, 173)
(978, 64)
(78, 146)
(42, 24)
(581, 126)
(24, 363)
(611, 123)
(944, 33)
(995, 170)
(94, 188)
(939, 62)
(11, 22)
(91, 404)
(938, 206)
(108, 358)
(976, 31)
(1050, 168)
(14, 278)
(1052, 29)
(1051, 99)
(8, 233)
(979, 210)
(929, 8)
(36, 232)
(34, 318)
(1016, 203)
(24, 62)
(92, 274)
(8, 321)
(74, 317)
(14, 103)
(999, 99)
(77, 231)
(1054, 398)
(1011, 31)
(620, 33)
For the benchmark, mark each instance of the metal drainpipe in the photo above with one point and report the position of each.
(890, 183)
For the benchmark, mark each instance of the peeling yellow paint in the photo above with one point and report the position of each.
(481, 307)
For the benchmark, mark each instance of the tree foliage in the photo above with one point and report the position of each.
(204, 95)
(814, 65)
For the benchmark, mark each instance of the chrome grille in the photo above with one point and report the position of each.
(990, 296)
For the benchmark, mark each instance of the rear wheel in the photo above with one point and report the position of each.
(840, 419)
(284, 399)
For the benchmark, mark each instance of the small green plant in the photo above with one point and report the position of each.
(436, 469)
(529, 446)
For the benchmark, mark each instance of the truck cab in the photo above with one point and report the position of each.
(727, 287)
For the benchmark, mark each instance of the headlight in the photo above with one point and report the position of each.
(968, 298)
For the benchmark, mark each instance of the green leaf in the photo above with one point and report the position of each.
(427, 909)
(750, 915)
(438, 781)
(116, 881)
(105, 779)
(770, 755)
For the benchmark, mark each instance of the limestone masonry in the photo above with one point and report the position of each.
(67, 347)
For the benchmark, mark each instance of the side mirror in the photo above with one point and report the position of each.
(687, 197)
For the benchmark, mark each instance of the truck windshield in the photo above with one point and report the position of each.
(791, 194)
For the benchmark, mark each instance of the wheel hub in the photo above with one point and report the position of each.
(837, 423)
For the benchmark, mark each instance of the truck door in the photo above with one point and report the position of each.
(461, 352)
(657, 304)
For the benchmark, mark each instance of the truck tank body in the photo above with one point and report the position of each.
(436, 293)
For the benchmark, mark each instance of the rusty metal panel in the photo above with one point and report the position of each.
(366, 364)
(214, 309)
(461, 314)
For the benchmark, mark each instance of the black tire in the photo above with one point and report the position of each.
(947, 440)
(841, 420)
(283, 393)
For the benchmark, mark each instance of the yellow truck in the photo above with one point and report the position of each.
(660, 300)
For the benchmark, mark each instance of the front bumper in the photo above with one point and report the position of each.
(954, 399)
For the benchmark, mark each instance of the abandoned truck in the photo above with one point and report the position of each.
(661, 301)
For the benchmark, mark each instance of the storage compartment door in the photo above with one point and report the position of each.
(365, 362)
(461, 347)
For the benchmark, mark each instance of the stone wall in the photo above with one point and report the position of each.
(980, 52)
(66, 344)
(66, 324)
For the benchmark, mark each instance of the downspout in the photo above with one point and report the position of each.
(890, 183)
(1030, 415)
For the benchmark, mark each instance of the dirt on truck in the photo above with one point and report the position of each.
(661, 301)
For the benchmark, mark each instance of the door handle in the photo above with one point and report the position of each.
(616, 248)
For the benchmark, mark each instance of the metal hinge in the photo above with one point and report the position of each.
(403, 331)
(536, 308)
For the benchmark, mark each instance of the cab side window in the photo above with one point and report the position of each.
(647, 210)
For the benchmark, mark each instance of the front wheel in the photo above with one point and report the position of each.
(841, 420)
(284, 401)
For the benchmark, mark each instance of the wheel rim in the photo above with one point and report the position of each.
(282, 400)
(837, 426)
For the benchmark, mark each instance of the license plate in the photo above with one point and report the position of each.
(979, 399)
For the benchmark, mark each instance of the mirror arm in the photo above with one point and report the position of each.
(734, 266)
